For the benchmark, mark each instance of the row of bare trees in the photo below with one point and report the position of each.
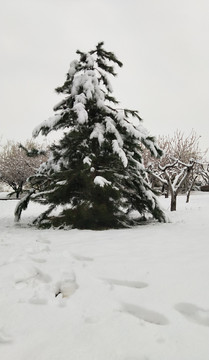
(182, 166)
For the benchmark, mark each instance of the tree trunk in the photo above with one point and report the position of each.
(19, 190)
(173, 202)
(190, 189)
(167, 193)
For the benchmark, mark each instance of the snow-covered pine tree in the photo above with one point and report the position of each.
(95, 171)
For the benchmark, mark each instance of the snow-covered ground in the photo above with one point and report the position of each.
(138, 294)
(4, 195)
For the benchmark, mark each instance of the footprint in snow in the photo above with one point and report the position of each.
(43, 241)
(82, 258)
(127, 283)
(38, 249)
(5, 337)
(24, 275)
(39, 297)
(38, 259)
(193, 313)
(141, 313)
(67, 285)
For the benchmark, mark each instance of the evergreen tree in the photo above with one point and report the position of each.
(95, 171)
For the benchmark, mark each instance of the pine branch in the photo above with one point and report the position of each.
(33, 152)
(22, 205)
(43, 216)
(133, 113)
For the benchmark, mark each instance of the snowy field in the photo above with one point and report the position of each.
(138, 294)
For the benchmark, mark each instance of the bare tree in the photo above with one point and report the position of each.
(173, 176)
(204, 172)
(16, 165)
(179, 167)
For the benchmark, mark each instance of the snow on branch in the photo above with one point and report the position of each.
(82, 114)
(98, 133)
(47, 125)
(43, 216)
(168, 166)
(61, 103)
(111, 127)
(101, 181)
(117, 149)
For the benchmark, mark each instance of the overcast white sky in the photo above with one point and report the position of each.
(163, 45)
